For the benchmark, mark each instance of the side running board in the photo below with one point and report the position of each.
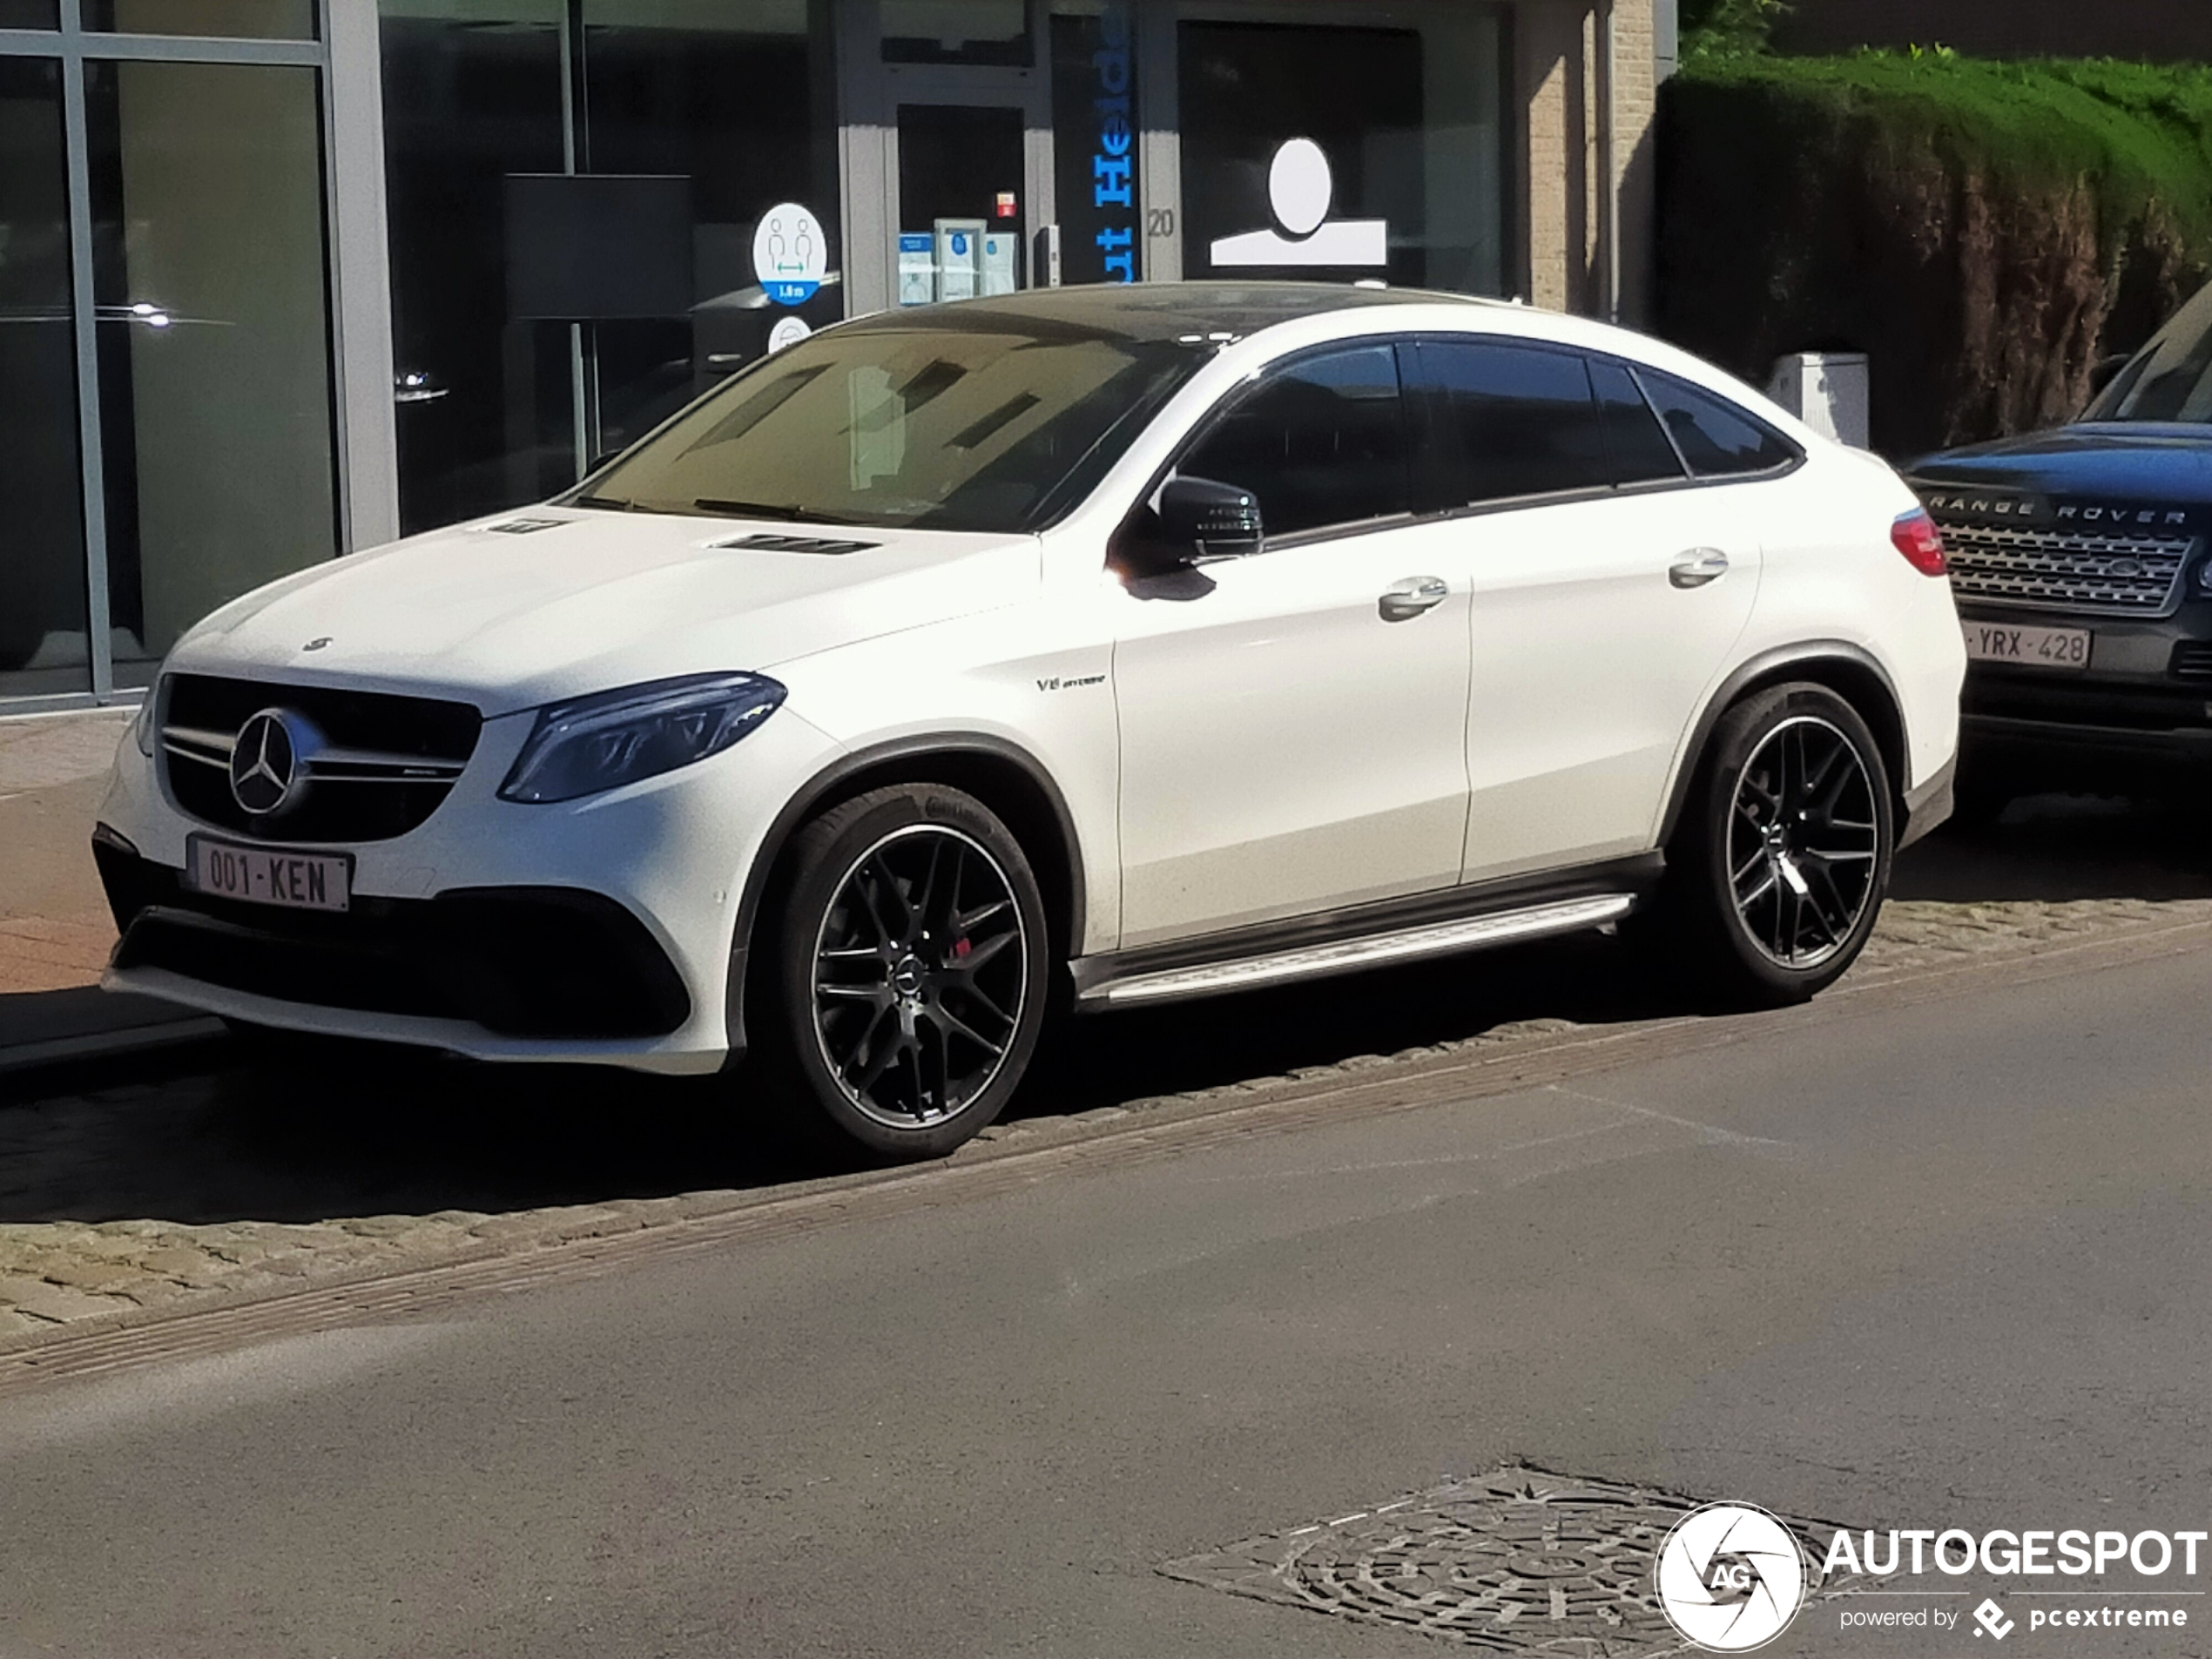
(1347, 956)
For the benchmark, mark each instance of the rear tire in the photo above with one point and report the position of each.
(909, 970)
(1776, 871)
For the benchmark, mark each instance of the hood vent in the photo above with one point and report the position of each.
(525, 526)
(795, 545)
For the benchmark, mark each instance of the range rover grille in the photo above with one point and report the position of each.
(2053, 570)
(385, 763)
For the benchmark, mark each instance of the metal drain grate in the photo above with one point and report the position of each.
(1517, 1561)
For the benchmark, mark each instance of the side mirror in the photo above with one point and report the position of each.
(2107, 370)
(1209, 518)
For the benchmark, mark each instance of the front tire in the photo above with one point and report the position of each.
(1778, 868)
(911, 969)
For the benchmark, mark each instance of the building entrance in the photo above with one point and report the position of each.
(961, 202)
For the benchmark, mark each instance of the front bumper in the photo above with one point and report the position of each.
(2144, 700)
(599, 930)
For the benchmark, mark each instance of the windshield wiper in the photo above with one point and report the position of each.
(621, 504)
(770, 510)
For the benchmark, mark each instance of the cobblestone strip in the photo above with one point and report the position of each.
(57, 1277)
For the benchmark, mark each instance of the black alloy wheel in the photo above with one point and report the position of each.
(1776, 871)
(912, 968)
(1803, 842)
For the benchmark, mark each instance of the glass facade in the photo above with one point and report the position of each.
(1343, 153)
(691, 120)
(472, 93)
(44, 645)
(248, 19)
(167, 425)
(585, 213)
(213, 331)
(955, 31)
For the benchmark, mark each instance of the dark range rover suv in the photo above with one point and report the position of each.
(2079, 560)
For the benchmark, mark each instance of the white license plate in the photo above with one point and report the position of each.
(270, 875)
(2001, 642)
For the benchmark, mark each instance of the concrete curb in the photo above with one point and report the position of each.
(20, 1058)
(83, 1024)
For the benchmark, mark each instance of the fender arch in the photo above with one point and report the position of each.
(1850, 670)
(1004, 777)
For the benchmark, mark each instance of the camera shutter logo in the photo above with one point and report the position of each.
(265, 764)
(1730, 1577)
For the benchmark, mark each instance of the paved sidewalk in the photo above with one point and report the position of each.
(55, 930)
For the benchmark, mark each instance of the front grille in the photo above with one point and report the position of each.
(2192, 661)
(385, 763)
(2078, 570)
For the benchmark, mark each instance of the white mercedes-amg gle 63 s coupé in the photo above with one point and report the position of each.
(1084, 648)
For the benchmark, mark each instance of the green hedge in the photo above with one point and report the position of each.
(1985, 230)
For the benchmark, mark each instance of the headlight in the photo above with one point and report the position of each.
(615, 738)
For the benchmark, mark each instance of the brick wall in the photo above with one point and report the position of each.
(1561, 205)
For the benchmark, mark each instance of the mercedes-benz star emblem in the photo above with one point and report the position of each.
(265, 774)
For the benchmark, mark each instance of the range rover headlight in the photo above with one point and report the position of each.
(600, 742)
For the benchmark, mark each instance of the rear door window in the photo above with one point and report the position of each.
(1717, 438)
(1641, 452)
(1502, 421)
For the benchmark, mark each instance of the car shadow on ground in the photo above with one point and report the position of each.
(321, 1133)
(2065, 849)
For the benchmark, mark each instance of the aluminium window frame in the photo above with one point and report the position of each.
(356, 284)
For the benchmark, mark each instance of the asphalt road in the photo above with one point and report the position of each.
(1923, 1266)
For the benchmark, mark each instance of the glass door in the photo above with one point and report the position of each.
(961, 191)
(967, 167)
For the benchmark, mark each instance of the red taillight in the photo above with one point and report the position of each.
(1918, 538)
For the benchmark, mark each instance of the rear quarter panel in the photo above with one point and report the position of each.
(1832, 572)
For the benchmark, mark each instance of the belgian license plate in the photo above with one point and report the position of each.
(2001, 642)
(270, 875)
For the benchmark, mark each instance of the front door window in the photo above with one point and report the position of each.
(1321, 444)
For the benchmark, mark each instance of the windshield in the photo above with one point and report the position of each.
(996, 426)
(2171, 378)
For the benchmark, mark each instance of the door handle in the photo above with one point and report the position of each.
(1697, 567)
(1403, 600)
